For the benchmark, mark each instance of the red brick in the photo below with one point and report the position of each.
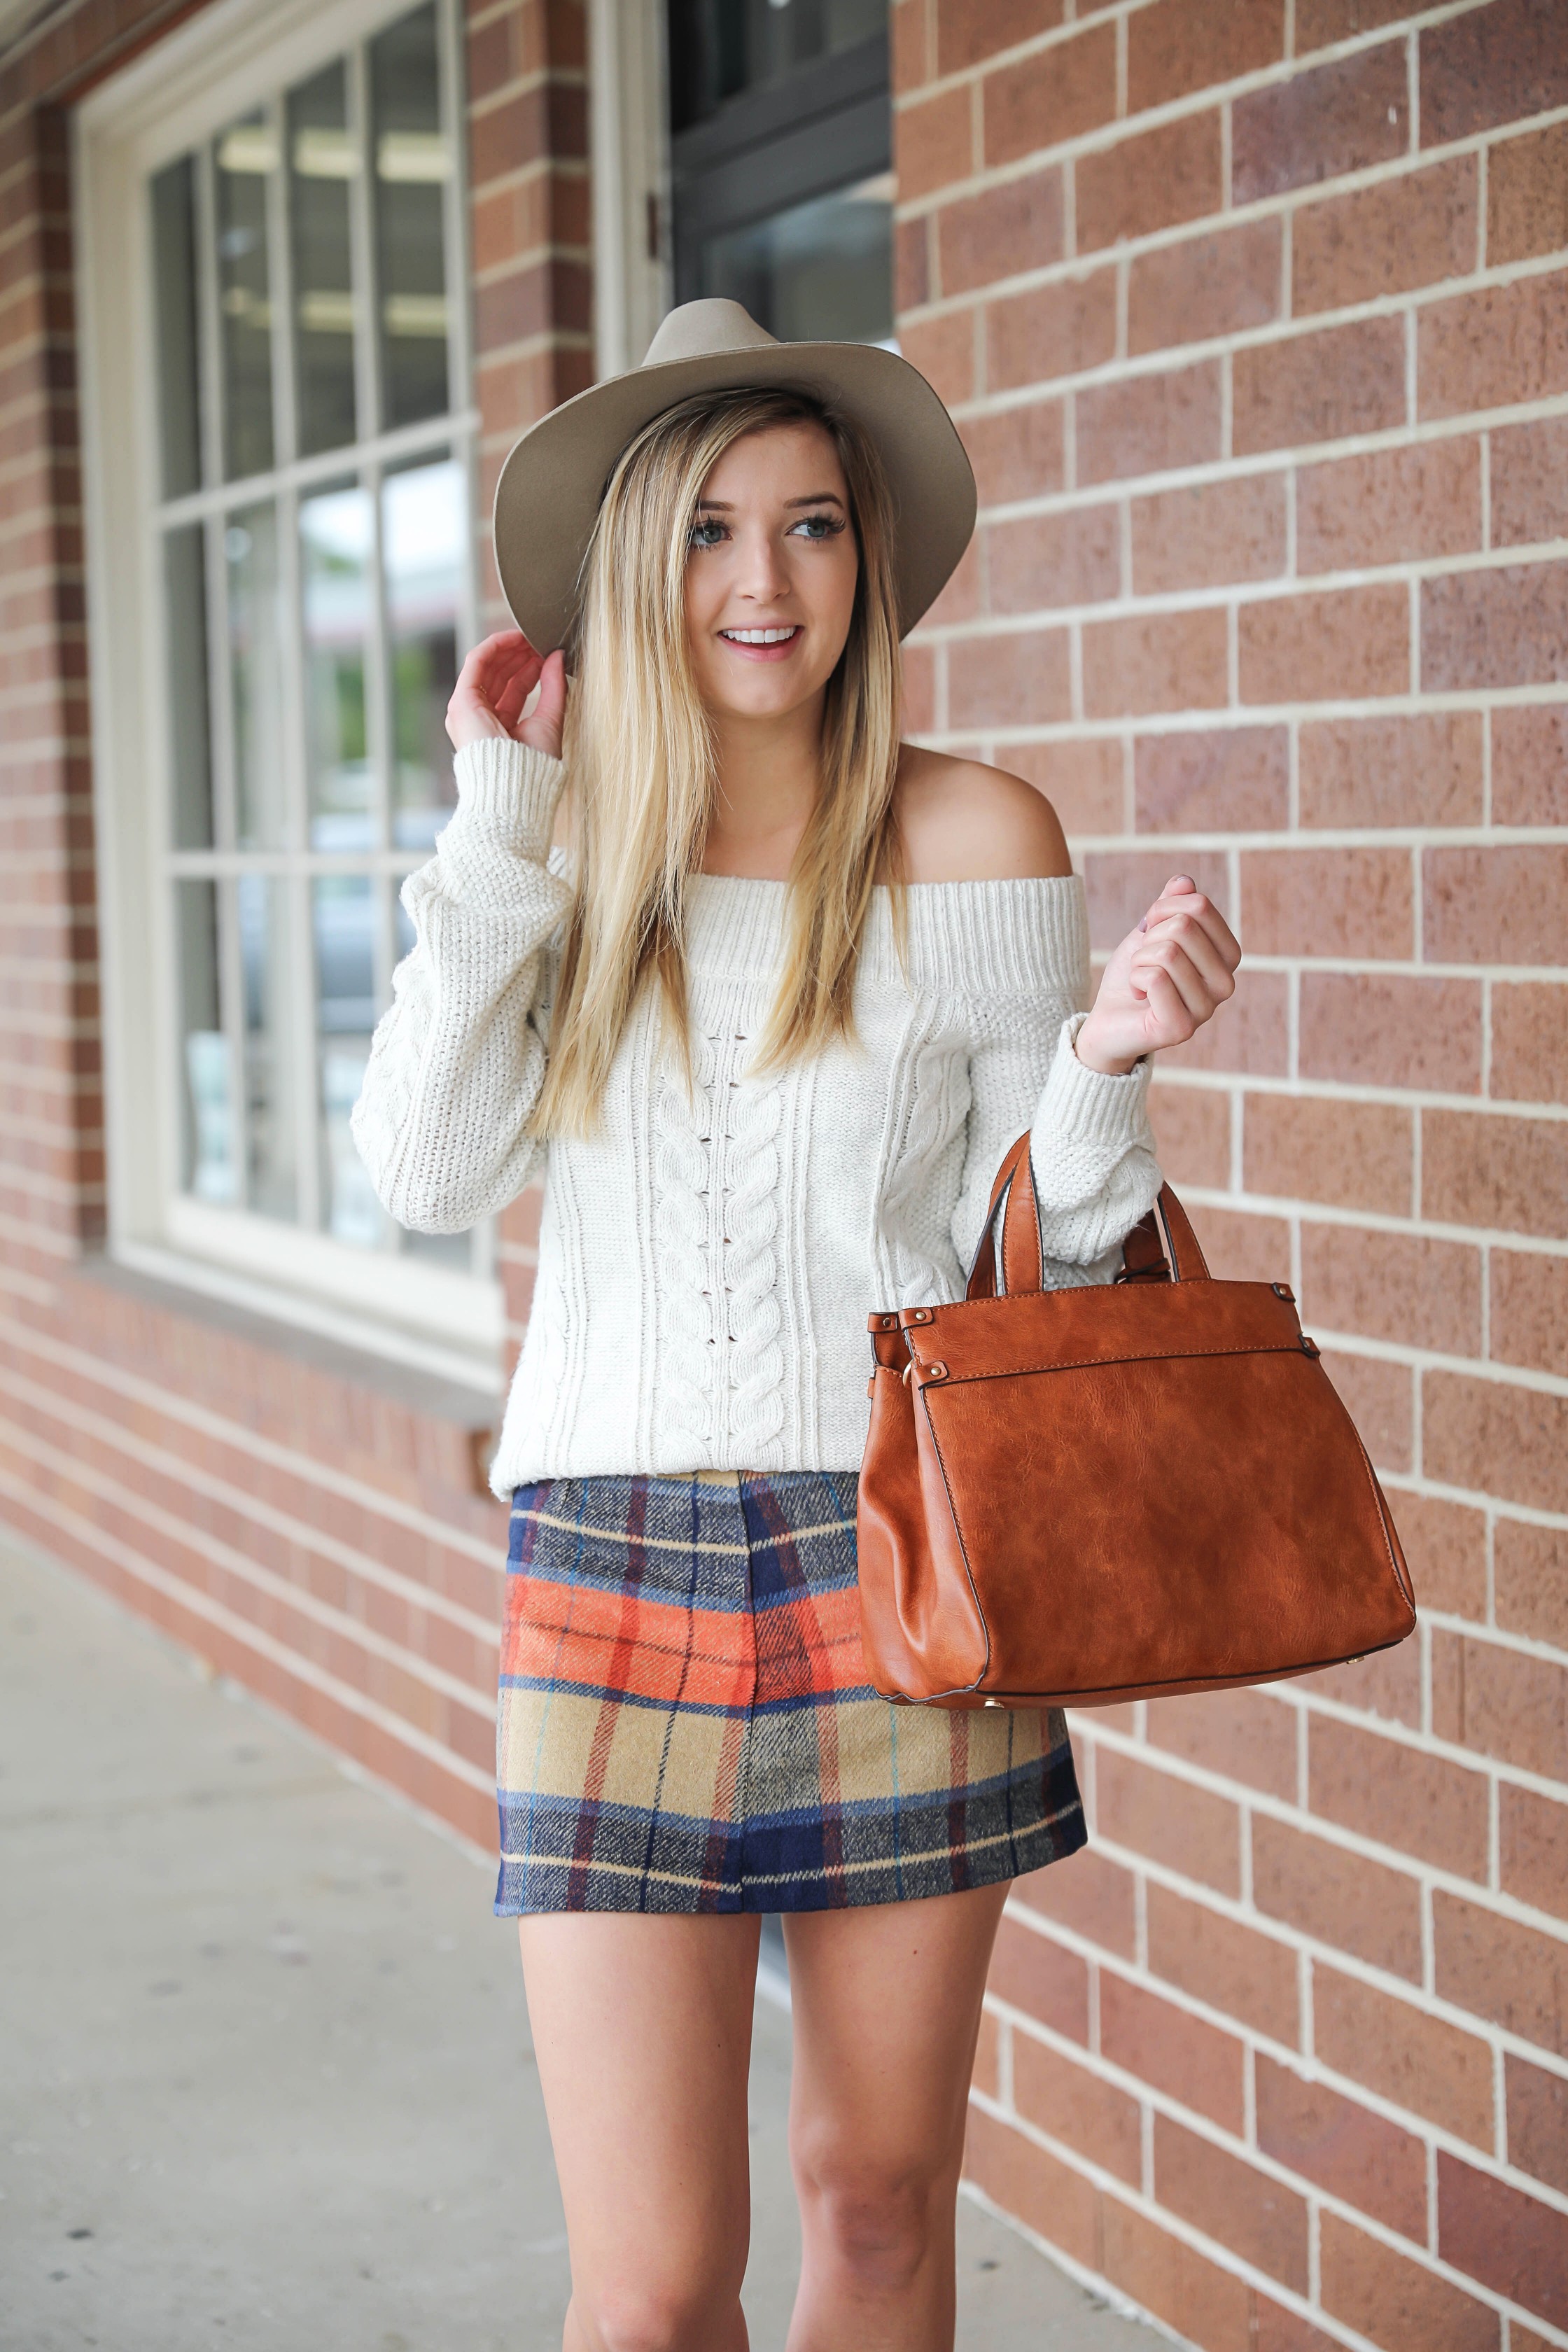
(1017, 453)
(1212, 781)
(933, 143)
(1416, 2061)
(1337, 1897)
(1192, 1134)
(1317, 124)
(1072, 557)
(1188, 1829)
(1527, 195)
(1122, 885)
(1496, 906)
(968, 31)
(1015, 679)
(1528, 1324)
(1059, 93)
(1493, 2232)
(1209, 534)
(1534, 1844)
(1070, 2104)
(1398, 2304)
(1337, 645)
(1150, 181)
(1205, 2304)
(911, 264)
(1247, 1735)
(1082, 781)
(1501, 344)
(1220, 284)
(1250, 1035)
(1484, 1170)
(1529, 765)
(1163, 2045)
(1044, 1979)
(1398, 1287)
(907, 24)
(1501, 1703)
(943, 351)
(1537, 2121)
(1051, 330)
(1385, 240)
(1373, 1030)
(1321, 386)
(1229, 2200)
(1355, 1155)
(1358, 2157)
(1496, 1439)
(1390, 506)
(1152, 662)
(1490, 66)
(1049, 2197)
(1380, 1399)
(1000, 232)
(1530, 481)
(1502, 627)
(1530, 1041)
(1327, 902)
(1093, 1895)
(1242, 1247)
(1181, 46)
(1398, 1795)
(1531, 1567)
(1421, 769)
(1502, 1971)
(1233, 1969)
(1387, 1681)
(1275, 2329)
(1445, 1545)
(1149, 424)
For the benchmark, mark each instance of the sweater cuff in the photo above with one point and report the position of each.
(1093, 1106)
(507, 793)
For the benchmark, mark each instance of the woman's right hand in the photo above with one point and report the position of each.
(492, 687)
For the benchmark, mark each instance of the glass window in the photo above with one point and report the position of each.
(316, 587)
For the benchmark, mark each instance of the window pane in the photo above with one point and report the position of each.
(423, 529)
(821, 272)
(720, 47)
(179, 375)
(335, 537)
(344, 915)
(245, 156)
(190, 742)
(322, 158)
(209, 1161)
(269, 964)
(411, 169)
(256, 675)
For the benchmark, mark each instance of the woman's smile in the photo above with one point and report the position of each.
(774, 643)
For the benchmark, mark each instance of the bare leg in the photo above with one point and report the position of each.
(642, 2027)
(886, 2013)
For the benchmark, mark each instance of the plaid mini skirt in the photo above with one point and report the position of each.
(685, 1722)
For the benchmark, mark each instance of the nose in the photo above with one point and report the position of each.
(760, 574)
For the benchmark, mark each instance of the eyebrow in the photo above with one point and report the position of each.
(817, 499)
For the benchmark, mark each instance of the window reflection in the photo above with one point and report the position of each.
(323, 158)
(179, 375)
(424, 533)
(269, 963)
(185, 628)
(343, 919)
(820, 272)
(411, 166)
(209, 1120)
(244, 158)
(256, 676)
(335, 545)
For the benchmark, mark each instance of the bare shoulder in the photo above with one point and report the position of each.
(960, 821)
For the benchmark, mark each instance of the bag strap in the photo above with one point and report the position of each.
(1023, 1250)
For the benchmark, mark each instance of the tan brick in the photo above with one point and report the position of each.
(1015, 679)
(1530, 1041)
(1239, 1245)
(1090, 1894)
(1041, 1977)
(933, 143)
(1337, 643)
(907, 27)
(1059, 93)
(1072, 557)
(1532, 1575)
(1491, 65)
(1050, 331)
(1000, 232)
(1529, 765)
(1484, 1170)
(1047, 2196)
(1220, 284)
(1210, 781)
(1527, 195)
(1398, 1287)
(1151, 181)
(1192, 1135)
(1398, 2304)
(1209, 534)
(1225, 2198)
(1380, 1399)
(943, 351)
(1533, 1848)
(1388, 1682)
(1149, 424)
(1502, 1703)
(1321, 386)
(1083, 781)
(1179, 2054)
(1528, 1324)
(1502, 627)
(1530, 482)
(1391, 1032)
(1354, 1155)
(1398, 1795)
(1501, 344)
(1017, 453)
(969, 31)
(1250, 1035)
(1188, 1829)
(1337, 1897)
(1390, 506)
(1500, 1970)
(1317, 124)
(1152, 662)
(1327, 902)
(1537, 2106)
(1204, 2304)
(1385, 240)
(1122, 885)
(1233, 1969)
(1445, 1546)
(1181, 46)
(1423, 770)
(1360, 2158)
(1494, 1438)
(1245, 1735)
(1419, 2062)
(1069, 2104)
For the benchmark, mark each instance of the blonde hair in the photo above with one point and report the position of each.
(640, 756)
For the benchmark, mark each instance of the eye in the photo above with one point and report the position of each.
(817, 526)
(707, 531)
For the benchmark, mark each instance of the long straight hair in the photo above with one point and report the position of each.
(643, 772)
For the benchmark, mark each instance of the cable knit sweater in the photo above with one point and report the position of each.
(706, 1263)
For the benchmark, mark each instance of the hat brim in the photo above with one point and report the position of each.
(552, 481)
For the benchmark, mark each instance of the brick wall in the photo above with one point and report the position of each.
(306, 1518)
(1256, 319)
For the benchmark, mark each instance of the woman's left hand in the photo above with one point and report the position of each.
(1165, 979)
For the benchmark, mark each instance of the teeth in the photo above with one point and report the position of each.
(757, 636)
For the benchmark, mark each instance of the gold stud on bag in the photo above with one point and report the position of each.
(1125, 1491)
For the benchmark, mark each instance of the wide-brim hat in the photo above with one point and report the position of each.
(552, 484)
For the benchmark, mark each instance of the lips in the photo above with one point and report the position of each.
(765, 643)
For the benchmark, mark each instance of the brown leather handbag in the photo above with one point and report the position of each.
(1074, 1497)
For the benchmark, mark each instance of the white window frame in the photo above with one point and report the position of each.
(628, 136)
(167, 102)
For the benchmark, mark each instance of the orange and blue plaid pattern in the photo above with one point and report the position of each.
(685, 1722)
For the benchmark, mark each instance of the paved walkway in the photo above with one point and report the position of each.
(265, 2077)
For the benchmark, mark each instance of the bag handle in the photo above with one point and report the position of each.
(1023, 1252)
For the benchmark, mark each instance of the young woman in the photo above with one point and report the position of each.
(771, 1010)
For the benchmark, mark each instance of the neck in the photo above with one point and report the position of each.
(768, 779)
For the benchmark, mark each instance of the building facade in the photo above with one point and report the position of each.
(1254, 315)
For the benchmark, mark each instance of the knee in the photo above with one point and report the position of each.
(878, 2219)
(652, 2315)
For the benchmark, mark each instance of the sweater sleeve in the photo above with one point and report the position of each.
(458, 1060)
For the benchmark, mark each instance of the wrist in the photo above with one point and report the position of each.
(1097, 1054)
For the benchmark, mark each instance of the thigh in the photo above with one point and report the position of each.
(642, 2031)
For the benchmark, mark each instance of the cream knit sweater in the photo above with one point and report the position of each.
(706, 1264)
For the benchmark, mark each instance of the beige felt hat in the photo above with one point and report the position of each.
(552, 483)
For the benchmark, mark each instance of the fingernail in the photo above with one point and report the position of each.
(1144, 924)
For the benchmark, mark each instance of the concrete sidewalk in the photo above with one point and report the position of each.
(265, 2079)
